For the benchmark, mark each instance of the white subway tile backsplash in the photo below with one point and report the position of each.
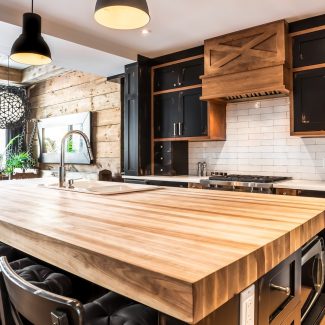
(259, 141)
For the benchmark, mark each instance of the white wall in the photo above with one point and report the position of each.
(259, 142)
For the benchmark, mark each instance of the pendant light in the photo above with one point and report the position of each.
(30, 47)
(122, 14)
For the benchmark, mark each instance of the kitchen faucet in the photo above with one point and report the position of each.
(62, 157)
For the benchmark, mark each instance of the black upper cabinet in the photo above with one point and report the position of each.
(309, 100)
(309, 49)
(166, 112)
(194, 114)
(190, 72)
(166, 78)
(180, 114)
(178, 75)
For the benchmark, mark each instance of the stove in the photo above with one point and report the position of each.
(241, 183)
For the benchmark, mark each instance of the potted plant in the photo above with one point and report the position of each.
(21, 160)
(15, 160)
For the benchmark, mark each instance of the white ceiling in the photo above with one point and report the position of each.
(175, 24)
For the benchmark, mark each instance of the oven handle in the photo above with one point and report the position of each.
(317, 249)
(319, 277)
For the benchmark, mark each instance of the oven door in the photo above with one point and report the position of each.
(312, 275)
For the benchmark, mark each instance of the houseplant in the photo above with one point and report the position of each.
(22, 160)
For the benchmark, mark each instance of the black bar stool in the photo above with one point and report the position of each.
(42, 307)
(11, 253)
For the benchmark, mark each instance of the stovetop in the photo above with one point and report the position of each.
(247, 178)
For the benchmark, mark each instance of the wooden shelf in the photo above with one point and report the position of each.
(200, 56)
(205, 138)
(176, 89)
(309, 67)
(307, 31)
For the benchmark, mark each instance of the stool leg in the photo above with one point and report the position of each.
(162, 319)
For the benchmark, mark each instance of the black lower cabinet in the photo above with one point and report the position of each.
(309, 100)
(171, 158)
(279, 291)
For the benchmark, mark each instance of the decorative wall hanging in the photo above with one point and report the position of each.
(14, 105)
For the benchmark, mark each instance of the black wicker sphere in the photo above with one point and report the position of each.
(14, 107)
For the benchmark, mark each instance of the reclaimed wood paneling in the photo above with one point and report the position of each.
(75, 92)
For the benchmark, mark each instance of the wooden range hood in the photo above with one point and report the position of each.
(251, 63)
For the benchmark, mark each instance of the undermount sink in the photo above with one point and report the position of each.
(102, 188)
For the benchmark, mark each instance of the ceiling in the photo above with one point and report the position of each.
(175, 24)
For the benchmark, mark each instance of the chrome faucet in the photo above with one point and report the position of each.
(62, 157)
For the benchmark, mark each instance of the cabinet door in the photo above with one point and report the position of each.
(166, 113)
(309, 49)
(194, 114)
(166, 77)
(190, 72)
(131, 120)
(309, 100)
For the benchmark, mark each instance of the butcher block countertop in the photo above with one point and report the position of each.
(184, 252)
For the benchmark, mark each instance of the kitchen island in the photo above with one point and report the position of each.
(183, 252)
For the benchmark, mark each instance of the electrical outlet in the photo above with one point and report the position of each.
(247, 306)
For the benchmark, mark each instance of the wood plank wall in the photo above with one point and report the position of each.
(75, 92)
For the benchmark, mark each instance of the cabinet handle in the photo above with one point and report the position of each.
(180, 131)
(286, 290)
(174, 129)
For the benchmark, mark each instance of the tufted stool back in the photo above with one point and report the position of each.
(35, 293)
(35, 304)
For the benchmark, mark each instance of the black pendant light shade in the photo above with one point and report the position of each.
(30, 47)
(122, 14)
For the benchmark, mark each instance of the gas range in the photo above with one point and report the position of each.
(242, 183)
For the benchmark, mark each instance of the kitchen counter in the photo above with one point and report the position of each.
(301, 185)
(180, 179)
(184, 252)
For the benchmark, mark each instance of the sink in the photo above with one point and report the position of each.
(103, 188)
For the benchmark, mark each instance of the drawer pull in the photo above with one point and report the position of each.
(286, 290)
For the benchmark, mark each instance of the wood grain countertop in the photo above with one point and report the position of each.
(179, 179)
(300, 184)
(184, 252)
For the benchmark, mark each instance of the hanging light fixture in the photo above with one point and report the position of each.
(14, 105)
(30, 47)
(122, 14)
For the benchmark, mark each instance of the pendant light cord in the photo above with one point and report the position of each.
(32, 6)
